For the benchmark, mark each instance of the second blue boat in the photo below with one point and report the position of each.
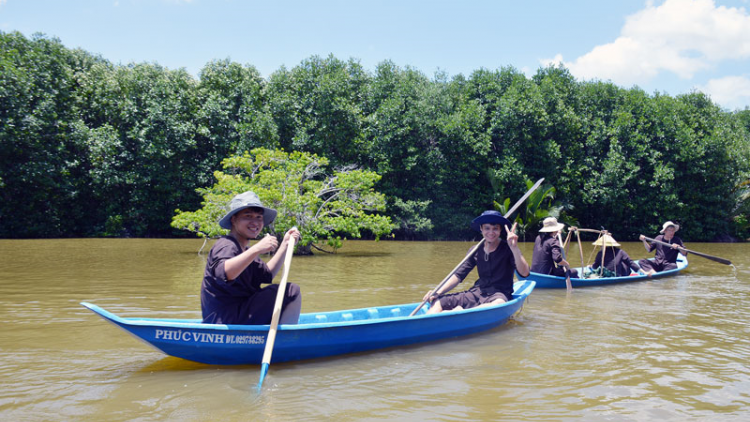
(544, 281)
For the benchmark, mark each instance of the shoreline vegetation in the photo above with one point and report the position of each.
(93, 149)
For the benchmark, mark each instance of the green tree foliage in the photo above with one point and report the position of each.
(741, 211)
(139, 126)
(401, 143)
(43, 169)
(410, 218)
(317, 108)
(322, 206)
(538, 206)
(91, 148)
(234, 114)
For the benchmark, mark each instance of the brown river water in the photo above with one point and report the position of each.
(671, 349)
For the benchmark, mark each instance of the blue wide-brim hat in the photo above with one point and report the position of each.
(242, 201)
(489, 217)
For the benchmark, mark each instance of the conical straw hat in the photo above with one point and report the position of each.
(607, 240)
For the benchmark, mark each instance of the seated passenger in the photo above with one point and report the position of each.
(617, 263)
(496, 263)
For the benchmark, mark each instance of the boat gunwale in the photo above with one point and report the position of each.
(544, 281)
(525, 287)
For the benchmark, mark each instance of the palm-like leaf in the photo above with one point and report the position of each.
(540, 205)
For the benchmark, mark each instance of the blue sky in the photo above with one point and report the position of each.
(666, 46)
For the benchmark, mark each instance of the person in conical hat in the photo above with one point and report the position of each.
(548, 257)
(665, 257)
(496, 263)
(231, 292)
(616, 260)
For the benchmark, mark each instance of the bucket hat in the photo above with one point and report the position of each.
(550, 224)
(489, 217)
(667, 224)
(242, 201)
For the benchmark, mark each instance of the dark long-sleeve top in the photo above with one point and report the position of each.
(547, 252)
(665, 253)
(495, 270)
(225, 301)
(616, 260)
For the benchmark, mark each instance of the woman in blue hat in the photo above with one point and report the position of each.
(496, 263)
(231, 292)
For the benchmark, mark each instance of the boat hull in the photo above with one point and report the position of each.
(317, 335)
(544, 281)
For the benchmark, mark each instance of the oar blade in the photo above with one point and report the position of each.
(712, 258)
(263, 372)
(723, 261)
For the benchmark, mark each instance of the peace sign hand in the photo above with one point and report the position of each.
(512, 236)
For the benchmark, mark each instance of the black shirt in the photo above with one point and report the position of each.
(616, 260)
(546, 253)
(495, 270)
(226, 301)
(665, 253)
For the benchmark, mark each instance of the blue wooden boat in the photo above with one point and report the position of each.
(545, 281)
(317, 334)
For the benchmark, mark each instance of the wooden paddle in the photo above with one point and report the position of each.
(481, 242)
(712, 258)
(271, 339)
(568, 285)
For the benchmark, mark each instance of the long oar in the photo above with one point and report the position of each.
(712, 258)
(481, 242)
(271, 339)
(568, 285)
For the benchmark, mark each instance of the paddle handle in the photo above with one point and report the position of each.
(445, 280)
(271, 338)
(712, 258)
(590, 230)
(523, 198)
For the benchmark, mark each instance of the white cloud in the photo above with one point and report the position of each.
(732, 91)
(682, 37)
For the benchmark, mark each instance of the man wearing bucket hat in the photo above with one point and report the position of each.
(496, 263)
(666, 257)
(548, 256)
(616, 261)
(231, 292)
